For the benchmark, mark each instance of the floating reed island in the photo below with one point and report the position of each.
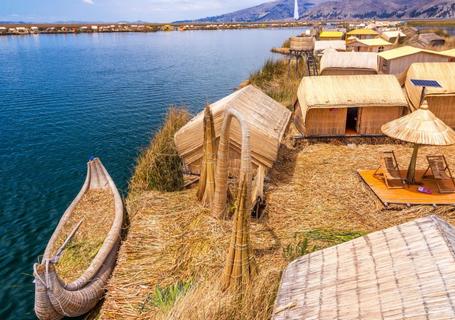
(245, 193)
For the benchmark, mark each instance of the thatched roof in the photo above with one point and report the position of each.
(330, 44)
(450, 53)
(428, 38)
(362, 32)
(331, 34)
(350, 91)
(421, 127)
(443, 72)
(407, 51)
(376, 42)
(404, 272)
(267, 120)
(387, 35)
(349, 60)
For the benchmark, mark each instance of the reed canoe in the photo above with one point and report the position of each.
(55, 299)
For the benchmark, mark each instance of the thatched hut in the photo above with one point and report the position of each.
(321, 45)
(404, 272)
(369, 45)
(392, 35)
(301, 43)
(398, 60)
(347, 105)
(266, 118)
(348, 63)
(441, 101)
(431, 39)
(362, 34)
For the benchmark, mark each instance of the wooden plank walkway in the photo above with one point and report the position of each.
(408, 195)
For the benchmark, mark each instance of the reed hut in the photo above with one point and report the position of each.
(322, 45)
(348, 63)
(392, 35)
(266, 118)
(404, 272)
(347, 105)
(441, 101)
(369, 45)
(431, 39)
(362, 34)
(396, 61)
(301, 43)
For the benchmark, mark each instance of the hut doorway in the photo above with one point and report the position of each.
(352, 117)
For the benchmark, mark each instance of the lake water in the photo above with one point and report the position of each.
(66, 97)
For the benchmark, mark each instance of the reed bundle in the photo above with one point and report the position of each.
(206, 188)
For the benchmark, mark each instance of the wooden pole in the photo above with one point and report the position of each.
(412, 165)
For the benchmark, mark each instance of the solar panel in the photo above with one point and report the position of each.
(426, 83)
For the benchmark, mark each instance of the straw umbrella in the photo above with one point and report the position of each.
(421, 127)
(206, 188)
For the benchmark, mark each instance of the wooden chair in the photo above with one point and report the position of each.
(390, 171)
(441, 173)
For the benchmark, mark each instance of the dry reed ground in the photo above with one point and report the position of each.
(313, 192)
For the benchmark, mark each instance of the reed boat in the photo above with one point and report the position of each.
(80, 256)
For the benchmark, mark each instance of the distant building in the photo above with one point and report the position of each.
(3, 30)
(431, 39)
(331, 35)
(369, 45)
(392, 35)
(362, 34)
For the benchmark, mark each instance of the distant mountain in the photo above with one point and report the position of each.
(341, 9)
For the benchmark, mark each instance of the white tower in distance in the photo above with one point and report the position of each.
(296, 10)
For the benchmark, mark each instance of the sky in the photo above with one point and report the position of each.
(117, 10)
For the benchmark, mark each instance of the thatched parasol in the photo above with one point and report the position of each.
(420, 127)
(206, 189)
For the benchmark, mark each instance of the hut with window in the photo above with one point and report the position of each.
(441, 101)
(362, 34)
(347, 105)
(431, 39)
(348, 63)
(267, 120)
(331, 35)
(396, 61)
(368, 45)
(404, 272)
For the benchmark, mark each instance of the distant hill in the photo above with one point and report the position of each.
(341, 9)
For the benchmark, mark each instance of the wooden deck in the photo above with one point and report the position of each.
(408, 195)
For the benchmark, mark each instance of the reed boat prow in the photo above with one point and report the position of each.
(55, 299)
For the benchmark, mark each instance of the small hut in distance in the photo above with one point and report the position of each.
(267, 120)
(441, 101)
(431, 39)
(353, 105)
(362, 34)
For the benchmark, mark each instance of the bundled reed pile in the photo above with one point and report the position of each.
(206, 188)
(159, 167)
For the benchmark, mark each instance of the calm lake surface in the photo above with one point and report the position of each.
(66, 97)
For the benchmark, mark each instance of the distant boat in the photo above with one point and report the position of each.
(54, 298)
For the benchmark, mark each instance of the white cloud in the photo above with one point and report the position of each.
(88, 1)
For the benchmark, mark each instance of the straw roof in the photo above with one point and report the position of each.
(362, 32)
(376, 42)
(349, 60)
(321, 45)
(443, 72)
(266, 118)
(392, 34)
(421, 127)
(331, 34)
(404, 272)
(407, 51)
(450, 53)
(351, 90)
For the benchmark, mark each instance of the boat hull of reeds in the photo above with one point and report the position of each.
(56, 298)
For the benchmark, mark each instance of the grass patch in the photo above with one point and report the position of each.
(279, 81)
(332, 237)
(165, 297)
(159, 167)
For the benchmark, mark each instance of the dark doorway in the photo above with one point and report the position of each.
(351, 120)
